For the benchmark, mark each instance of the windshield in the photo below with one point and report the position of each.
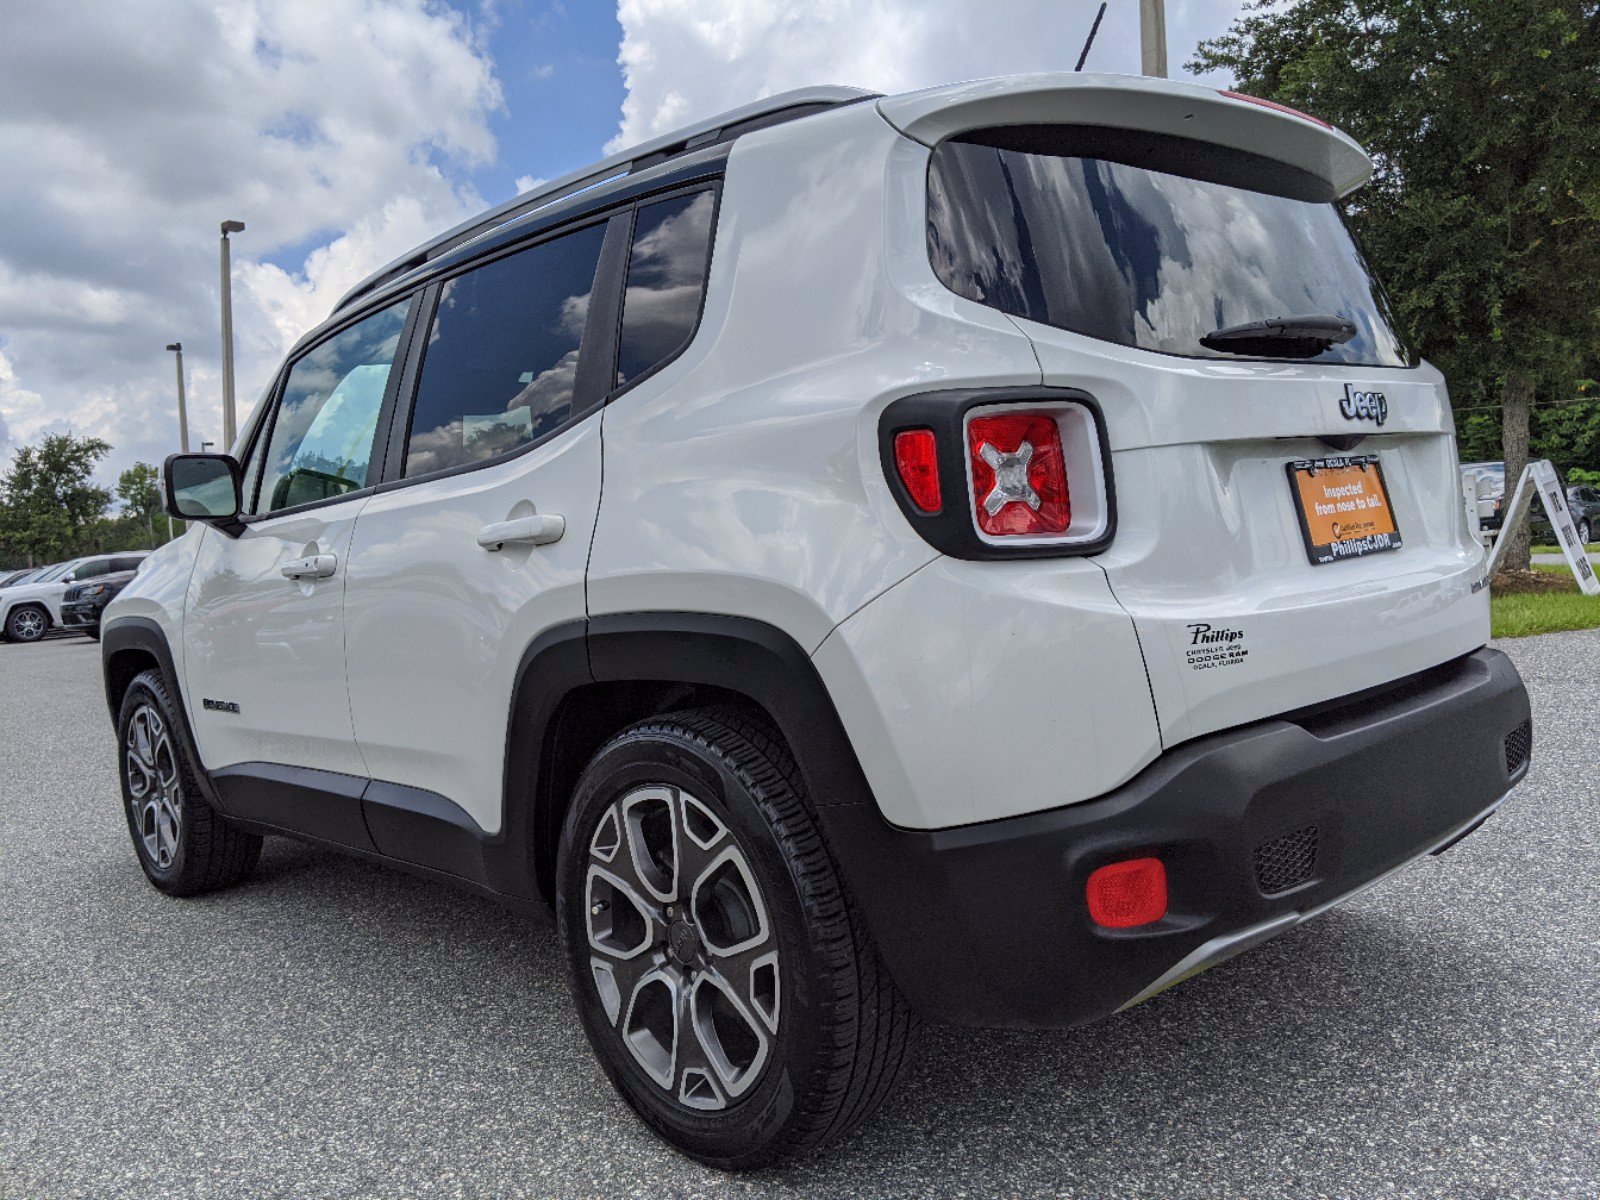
(54, 573)
(1149, 241)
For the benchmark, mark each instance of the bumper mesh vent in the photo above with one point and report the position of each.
(1286, 861)
(1519, 744)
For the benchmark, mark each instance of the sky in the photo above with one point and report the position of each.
(344, 132)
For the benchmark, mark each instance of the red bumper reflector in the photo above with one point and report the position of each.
(1124, 894)
(916, 457)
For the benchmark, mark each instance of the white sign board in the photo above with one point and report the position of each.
(1541, 477)
(1555, 503)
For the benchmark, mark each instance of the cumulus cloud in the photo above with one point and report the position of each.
(684, 60)
(331, 127)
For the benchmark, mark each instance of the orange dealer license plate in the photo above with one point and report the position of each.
(1343, 507)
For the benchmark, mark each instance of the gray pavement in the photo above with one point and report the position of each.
(333, 1029)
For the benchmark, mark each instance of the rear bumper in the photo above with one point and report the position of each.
(1259, 827)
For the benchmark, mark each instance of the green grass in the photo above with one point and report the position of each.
(1591, 547)
(1543, 612)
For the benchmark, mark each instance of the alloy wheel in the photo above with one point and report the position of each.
(682, 952)
(152, 771)
(28, 625)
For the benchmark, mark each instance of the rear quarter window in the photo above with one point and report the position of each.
(667, 269)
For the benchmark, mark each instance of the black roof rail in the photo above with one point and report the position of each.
(775, 110)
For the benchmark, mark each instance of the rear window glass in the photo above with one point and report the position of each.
(1147, 241)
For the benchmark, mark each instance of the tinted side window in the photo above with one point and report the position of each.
(125, 564)
(501, 363)
(90, 569)
(666, 279)
(327, 420)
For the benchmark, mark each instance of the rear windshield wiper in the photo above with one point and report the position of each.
(1290, 337)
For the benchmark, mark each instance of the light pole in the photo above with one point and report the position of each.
(183, 418)
(183, 412)
(1153, 38)
(229, 427)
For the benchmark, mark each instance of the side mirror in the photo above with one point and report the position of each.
(204, 487)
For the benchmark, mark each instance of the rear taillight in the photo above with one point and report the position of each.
(916, 460)
(1002, 472)
(1019, 475)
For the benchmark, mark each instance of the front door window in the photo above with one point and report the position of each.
(322, 438)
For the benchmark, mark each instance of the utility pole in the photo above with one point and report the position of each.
(229, 422)
(1153, 38)
(183, 412)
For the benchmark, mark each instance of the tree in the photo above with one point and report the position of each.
(139, 489)
(1483, 215)
(47, 504)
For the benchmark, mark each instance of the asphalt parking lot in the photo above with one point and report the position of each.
(333, 1029)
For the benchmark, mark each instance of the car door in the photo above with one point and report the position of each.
(503, 429)
(264, 629)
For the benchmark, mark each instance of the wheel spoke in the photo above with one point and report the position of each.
(650, 834)
(167, 816)
(652, 1027)
(727, 905)
(732, 1038)
(140, 742)
(698, 1084)
(618, 979)
(621, 922)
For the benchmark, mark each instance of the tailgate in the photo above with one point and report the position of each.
(1210, 560)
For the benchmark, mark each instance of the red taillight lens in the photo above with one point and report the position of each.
(916, 458)
(1124, 894)
(1019, 475)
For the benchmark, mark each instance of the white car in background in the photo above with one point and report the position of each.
(30, 610)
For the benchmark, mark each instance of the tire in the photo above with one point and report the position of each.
(1584, 531)
(27, 623)
(184, 845)
(92, 633)
(818, 1032)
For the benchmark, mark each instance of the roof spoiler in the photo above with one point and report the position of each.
(1188, 110)
(772, 111)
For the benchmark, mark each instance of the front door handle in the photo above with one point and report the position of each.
(528, 531)
(313, 566)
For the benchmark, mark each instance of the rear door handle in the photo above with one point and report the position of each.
(313, 566)
(538, 530)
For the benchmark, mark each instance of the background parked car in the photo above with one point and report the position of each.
(30, 610)
(1491, 478)
(8, 578)
(1584, 504)
(82, 603)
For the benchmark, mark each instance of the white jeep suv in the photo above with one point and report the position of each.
(31, 609)
(982, 553)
